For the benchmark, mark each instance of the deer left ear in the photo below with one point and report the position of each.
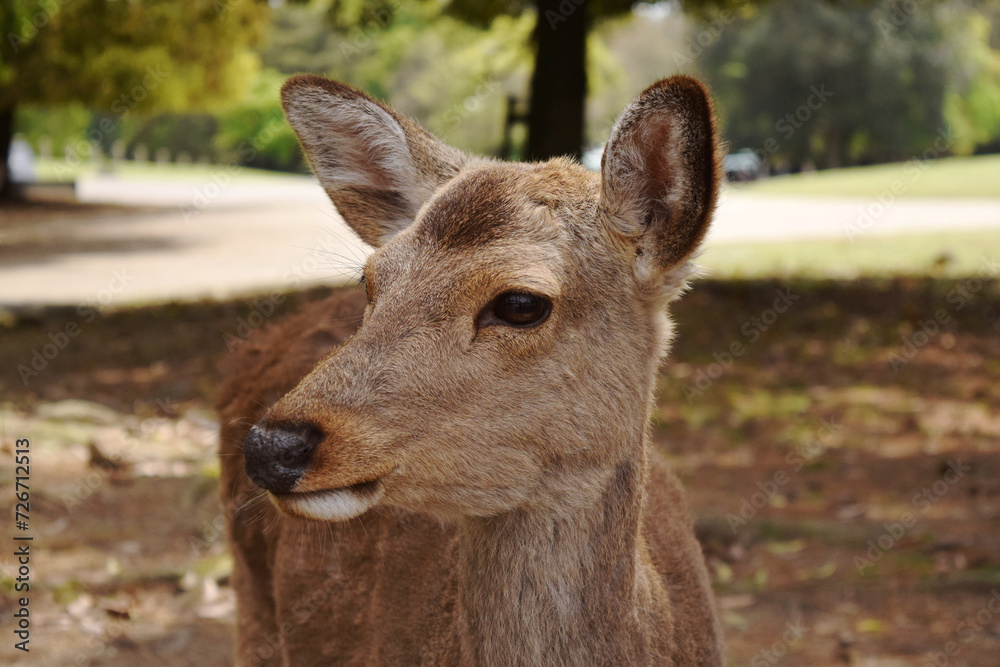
(377, 166)
(660, 172)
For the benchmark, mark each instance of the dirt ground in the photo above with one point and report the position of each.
(842, 458)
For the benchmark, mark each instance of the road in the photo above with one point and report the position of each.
(222, 236)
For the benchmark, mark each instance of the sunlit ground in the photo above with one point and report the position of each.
(977, 176)
(945, 254)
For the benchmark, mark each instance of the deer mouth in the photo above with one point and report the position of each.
(337, 504)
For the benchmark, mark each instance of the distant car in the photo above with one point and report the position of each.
(742, 166)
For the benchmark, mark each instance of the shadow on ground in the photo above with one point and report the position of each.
(32, 233)
(842, 457)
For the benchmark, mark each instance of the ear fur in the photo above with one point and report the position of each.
(660, 172)
(377, 166)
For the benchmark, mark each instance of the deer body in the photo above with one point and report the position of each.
(478, 449)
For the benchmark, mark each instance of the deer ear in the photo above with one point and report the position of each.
(660, 173)
(377, 166)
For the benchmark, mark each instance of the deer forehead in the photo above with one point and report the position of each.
(508, 204)
(411, 270)
(495, 226)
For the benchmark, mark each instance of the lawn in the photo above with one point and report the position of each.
(945, 254)
(53, 171)
(977, 176)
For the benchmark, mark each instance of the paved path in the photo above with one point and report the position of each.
(744, 217)
(221, 237)
(203, 241)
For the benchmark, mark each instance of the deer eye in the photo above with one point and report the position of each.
(520, 309)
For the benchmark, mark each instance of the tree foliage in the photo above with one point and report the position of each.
(254, 132)
(834, 84)
(133, 55)
(972, 107)
(451, 76)
(124, 56)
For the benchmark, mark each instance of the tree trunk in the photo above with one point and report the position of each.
(559, 82)
(6, 133)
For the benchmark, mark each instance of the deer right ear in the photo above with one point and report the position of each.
(660, 172)
(377, 167)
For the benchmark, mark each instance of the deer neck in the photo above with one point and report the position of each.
(561, 582)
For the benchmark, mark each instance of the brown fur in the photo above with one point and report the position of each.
(504, 506)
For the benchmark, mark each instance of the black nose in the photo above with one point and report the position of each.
(275, 458)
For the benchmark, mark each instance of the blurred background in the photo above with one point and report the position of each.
(832, 400)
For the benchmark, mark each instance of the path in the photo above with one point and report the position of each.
(202, 241)
(749, 217)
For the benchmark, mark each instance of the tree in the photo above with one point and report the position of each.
(558, 91)
(558, 83)
(123, 57)
(972, 107)
(872, 82)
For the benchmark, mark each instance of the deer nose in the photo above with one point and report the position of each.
(276, 458)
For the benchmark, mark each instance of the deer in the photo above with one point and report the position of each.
(451, 463)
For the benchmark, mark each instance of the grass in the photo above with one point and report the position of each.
(950, 254)
(977, 176)
(53, 171)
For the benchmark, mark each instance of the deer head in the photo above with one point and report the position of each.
(516, 312)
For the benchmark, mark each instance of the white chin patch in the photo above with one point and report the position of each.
(333, 504)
